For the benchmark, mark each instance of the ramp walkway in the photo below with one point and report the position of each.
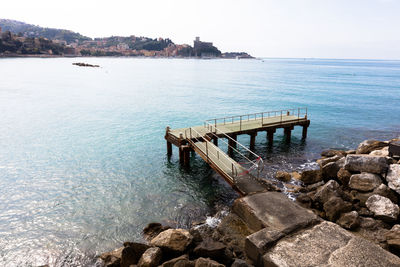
(243, 176)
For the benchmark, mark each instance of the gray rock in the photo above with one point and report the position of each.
(283, 176)
(327, 244)
(365, 181)
(322, 162)
(315, 186)
(384, 191)
(382, 208)
(330, 170)
(311, 176)
(351, 151)
(273, 210)
(366, 163)
(340, 163)
(210, 249)
(393, 237)
(112, 258)
(384, 152)
(343, 176)
(349, 220)
(332, 153)
(393, 177)
(174, 240)
(368, 146)
(328, 190)
(153, 229)
(360, 197)
(150, 258)
(202, 262)
(182, 261)
(336, 206)
(240, 263)
(132, 252)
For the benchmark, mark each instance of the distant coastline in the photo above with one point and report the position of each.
(19, 39)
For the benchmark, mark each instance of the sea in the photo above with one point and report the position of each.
(83, 159)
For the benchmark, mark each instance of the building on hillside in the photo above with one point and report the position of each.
(205, 49)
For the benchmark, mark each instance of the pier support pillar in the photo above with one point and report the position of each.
(288, 133)
(270, 136)
(186, 156)
(231, 144)
(234, 137)
(169, 148)
(304, 134)
(181, 156)
(215, 140)
(252, 140)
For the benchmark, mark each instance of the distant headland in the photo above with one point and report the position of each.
(20, 39)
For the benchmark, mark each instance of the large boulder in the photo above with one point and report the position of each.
(393, 177)
(132, 252)
(182, 261)
(384, 191)
(112, 258)
(360, 197)
(283, 176)
(311, 176)
(366, 163)
(384, 152)
(343, 176)
(240, 263)
(327, 244)
(153, 229)
(368, 146)
(332, 152)
(296, 175)
(202, 262)
(150, 258)
(382, 208)
(322, 162)
(273, 210)
(330, 170)
(325, 192)
(349, 220)
(210, 249)
(393, 237)
(173, 240)
(365, 181)
(335, 206)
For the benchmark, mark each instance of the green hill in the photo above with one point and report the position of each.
(32, 31)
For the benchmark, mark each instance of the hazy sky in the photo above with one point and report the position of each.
(279, 28)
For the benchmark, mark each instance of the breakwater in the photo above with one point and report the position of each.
(345, 214)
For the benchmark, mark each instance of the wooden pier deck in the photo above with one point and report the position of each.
(198, 139)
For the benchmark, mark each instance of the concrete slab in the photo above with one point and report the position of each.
(257, 244)
(327, 244)
(273, 210)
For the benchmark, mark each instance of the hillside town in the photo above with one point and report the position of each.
(21, 39)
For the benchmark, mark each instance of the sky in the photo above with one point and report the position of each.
(264, 28)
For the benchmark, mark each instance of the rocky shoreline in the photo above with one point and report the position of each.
(352, 199)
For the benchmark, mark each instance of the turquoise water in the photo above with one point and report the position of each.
(83, 163)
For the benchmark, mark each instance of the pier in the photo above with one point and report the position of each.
(204, 139)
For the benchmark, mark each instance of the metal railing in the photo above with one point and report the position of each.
(191, 134)
(301, 113)
(258, 166)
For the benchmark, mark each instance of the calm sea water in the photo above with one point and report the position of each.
(83, 163)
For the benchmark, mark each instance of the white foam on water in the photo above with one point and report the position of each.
(212, 221)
